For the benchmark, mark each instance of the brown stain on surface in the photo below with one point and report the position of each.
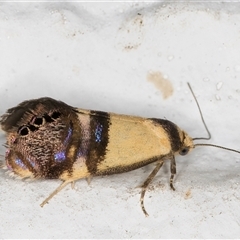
(188, 194)
(161, 83)
(131, 33)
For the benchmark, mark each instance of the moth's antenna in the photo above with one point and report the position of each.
(213, 145)
(209, 134)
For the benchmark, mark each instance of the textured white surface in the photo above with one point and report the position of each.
(98, 56)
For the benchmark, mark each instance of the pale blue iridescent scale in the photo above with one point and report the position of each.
(18, 161)
(58, 157)
(61, 155)
(98, 132)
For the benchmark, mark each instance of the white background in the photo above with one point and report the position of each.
(99, 56)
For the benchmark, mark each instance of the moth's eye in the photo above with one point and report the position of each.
(23, 131)
(184, 151)
(55, 115)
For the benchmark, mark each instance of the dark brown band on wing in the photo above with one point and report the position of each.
(172, 131)
(99, 137)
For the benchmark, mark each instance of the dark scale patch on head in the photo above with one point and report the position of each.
(99, 127)
(172, 131)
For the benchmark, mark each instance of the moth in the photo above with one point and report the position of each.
(49, 139)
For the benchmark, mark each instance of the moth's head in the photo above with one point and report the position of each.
(179, 140)
(186, 143)
(38, 134)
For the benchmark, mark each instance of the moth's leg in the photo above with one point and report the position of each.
(147, 182)
(73, 184)
(65, 183)
(173, 172)
(89, 179)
